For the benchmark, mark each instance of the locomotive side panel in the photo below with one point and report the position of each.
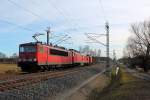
(42, 54)
(77, 58)
(53, 56)
(60, 57)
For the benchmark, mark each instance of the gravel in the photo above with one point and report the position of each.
(51, 89)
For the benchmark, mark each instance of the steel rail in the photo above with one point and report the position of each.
(34, 78)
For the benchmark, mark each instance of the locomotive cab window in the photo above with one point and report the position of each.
(27, 49)
(58, 52)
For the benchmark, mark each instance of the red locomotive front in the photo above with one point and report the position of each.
(28, 56)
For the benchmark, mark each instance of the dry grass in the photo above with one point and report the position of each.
(9, 68)
(126, 87)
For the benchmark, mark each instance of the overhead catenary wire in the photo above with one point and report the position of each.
(55, 7)
(60, 11)
(25, 9)
(64, 37)
(34, 14)
(62, 14)
(57, 10)
(94, 40)
(103, 10)
(52, 4)
(17, 25)
(63, 40)
(96, 34)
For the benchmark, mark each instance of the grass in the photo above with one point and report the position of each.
(125, 87)
(9, 68)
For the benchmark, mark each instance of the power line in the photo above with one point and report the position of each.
(97, 41)
(61, 13)
(94, 40)
(65, 17)
(107, 34)
(63, 40)
(25, 9)
(103, 10)
(19, 26)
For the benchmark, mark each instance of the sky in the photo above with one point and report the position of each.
(20, 19)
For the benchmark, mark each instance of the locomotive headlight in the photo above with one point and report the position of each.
(34, 59)
(29, 59)
(23, 59)
(19, 59)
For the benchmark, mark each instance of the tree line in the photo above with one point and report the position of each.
(137, 51)
(88, 51)
(82, 49)
(8, 60)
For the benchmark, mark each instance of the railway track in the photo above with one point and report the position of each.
(29, 79)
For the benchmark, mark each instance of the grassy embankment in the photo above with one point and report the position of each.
(123, 87)
(9, 68)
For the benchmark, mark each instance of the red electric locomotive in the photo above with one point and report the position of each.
(37, 56)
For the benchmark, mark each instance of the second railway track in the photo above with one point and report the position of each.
(24, 80)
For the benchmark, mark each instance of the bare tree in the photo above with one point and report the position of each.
(85, 49)
(88, 51)
(139, 42)
(14, 55)
(98, 53)
(2, 55)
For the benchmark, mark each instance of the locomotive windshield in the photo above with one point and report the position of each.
(27, 49)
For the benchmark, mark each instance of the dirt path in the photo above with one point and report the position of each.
(144, 76)
(125, 87)
(83, 91)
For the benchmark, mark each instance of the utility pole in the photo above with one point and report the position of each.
(48, 32)
(94, 40)
(114, 58)
(114, 55)
(107, 43)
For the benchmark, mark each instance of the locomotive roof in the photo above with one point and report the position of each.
(31, 43)
(74, 50)
(51, 46)
(40, 43)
